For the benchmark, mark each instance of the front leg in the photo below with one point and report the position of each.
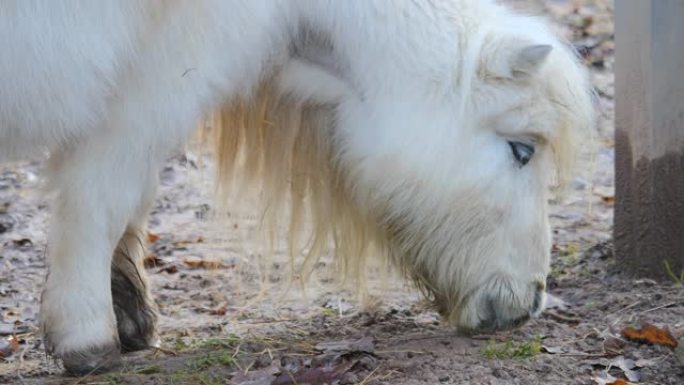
(101, 183)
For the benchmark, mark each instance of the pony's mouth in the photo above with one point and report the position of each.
(499, 321)
(490, 313)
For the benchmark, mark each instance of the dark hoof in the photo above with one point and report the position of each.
(94, 360)
(136, 315)
(136, 329)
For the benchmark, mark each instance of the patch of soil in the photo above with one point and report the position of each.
(231, 315)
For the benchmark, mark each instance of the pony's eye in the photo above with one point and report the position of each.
(523, 152)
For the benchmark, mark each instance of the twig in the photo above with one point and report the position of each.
(398, 351)
(487, 337)
(585, 355)
(627, 307)
(166, 351)
(20, 363)
(418, 338)
(249, 367)
(365, 380)
(270, 321)
(659, 307)
(562, 318)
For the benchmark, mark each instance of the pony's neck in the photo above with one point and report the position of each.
(377, 43)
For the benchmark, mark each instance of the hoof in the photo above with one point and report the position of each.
(93, 360)
(136, 315)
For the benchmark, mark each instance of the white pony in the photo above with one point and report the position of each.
(428, 128)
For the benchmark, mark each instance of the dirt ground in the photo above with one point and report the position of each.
(229, 315)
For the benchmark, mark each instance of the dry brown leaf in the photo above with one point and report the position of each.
(613, 346)
(24, 242)
(182, 243)
(8, 346)
(609, 200)
(650, 334)
(153, 261)
(173, 269)
(204, 264)
(219, 310)
(152, 237)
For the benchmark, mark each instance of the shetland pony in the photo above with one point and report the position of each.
(426, 130)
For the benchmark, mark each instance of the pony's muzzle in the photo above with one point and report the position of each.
(498, 320)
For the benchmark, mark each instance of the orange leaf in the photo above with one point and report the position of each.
(183, 243)
(152, 237)
(619, 381)
(203, 264)
(650, 334)
(609, 200)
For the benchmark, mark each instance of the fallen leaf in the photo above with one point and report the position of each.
(153, 261)
(610, 200)
(264, 376)
(607, 194)
(627, 366)
(619, 381)
(605, 379)
(650, 334)
(24, 242)
(560, 317)
(182, 243)
(553, 302)
(219, 310)
(552, 349)
(173, 269)
(8, 346)
(314, 376)
(204, 264)
(152, 237)
(613, 345)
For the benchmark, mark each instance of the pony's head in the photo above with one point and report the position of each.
(445, 161)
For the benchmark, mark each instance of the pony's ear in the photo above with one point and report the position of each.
(311, 82)
(518, 60)
(528, 60)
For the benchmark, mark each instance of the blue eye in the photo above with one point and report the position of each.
(522, 152)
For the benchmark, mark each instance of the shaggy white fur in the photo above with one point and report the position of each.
(428, 128)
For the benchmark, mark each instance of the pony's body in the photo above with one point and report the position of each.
(402, 116)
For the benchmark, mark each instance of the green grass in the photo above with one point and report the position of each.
(329, 312)
(205, 361)
(206, 365)
(113, 378)
(512, 350)
(211, 359)
(152, 369)
(679, 280)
